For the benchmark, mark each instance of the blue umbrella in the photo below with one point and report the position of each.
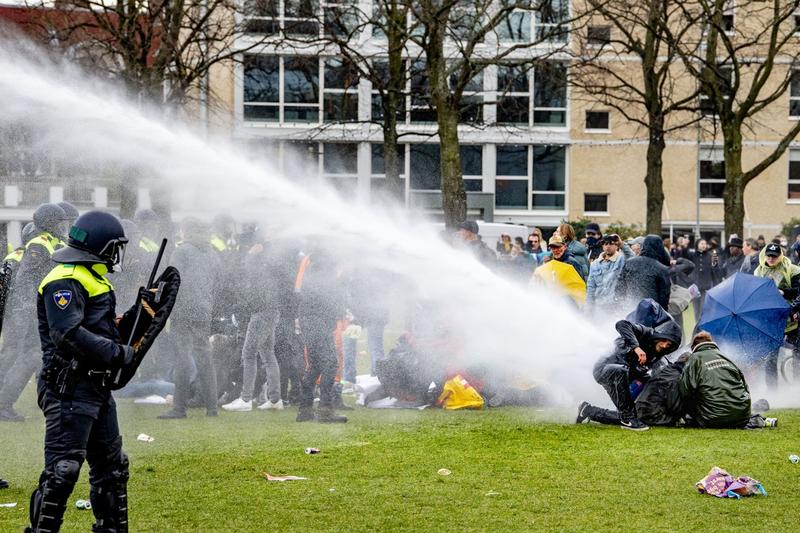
(747, 314)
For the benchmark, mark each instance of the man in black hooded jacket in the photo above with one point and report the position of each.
(638, 349)
(647, 275)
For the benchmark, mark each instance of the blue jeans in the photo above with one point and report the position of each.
(375, 343)
(350, 348)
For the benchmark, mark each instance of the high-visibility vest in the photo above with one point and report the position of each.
(148, 245)
(301, 272)
(15, 256)
(46, 240)
(95, 284)
(218, 243)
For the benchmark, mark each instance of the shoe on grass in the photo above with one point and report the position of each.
(583, 413)
(326, 415)
(305, 414)
(8, 414)
(268, 405)
(239, 405)
(172, 414)
(634, 424)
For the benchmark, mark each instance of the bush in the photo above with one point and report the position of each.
(625, 231)
(788, 228)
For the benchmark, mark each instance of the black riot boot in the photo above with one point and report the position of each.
(326, 415)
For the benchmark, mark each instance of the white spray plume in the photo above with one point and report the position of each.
(528, 332)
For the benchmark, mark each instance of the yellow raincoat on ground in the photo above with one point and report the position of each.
(459, 394)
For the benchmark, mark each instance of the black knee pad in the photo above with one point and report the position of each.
(65, 474)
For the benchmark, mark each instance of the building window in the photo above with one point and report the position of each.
(548, 82)
(341, 19)
(421, 110)
(471, 103)
(425, 167)
(597, 120)
(595, 203)
(548, 23)
(712, 173)
(340, 166)
(340, 93)
(728, 12)
(472, 167)
(293, 17)
(293, 89)
(381, 70)
(598, 35)
(531, 177)
(794, 95)
(549, 178)
(379, 187)
(794, 175)
(724, 78)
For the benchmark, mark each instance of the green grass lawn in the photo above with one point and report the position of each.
(512, 469)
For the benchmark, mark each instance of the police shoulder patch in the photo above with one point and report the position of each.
(62, 298)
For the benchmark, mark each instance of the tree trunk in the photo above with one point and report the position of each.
(454, 198)
(653, 179)
(733, 197)
(392, 107)
(391, 160)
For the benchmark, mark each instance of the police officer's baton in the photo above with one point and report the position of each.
(5, 286)
(149, 285)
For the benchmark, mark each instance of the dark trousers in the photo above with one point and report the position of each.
(83, 426)
(194, 350)
(771, 362)
(321, 363)
(613, 375)
(604, 416)
(289, 353)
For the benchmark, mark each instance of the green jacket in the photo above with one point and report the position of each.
(713, 389)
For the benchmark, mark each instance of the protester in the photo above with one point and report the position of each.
(575, 248)
(733, 258)
(534, 245)
(561, 253)
(504, 244)
(750, 261)
(773, 264)
(646, 275)
(712, 387)
(594, 244)
(638, 349)
(707, 272)
(469, 235)
(601, 287)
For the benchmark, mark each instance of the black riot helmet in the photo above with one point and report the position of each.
(28, 233)
(70, 211)
(50, 218)
(96, 237)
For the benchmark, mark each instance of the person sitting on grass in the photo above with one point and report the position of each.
(638, 349)
(713, 389)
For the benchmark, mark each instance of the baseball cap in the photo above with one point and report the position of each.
(469, 225)
(773, 250)
(555, 240)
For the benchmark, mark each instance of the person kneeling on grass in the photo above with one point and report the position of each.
(638, 349)
(713, 389)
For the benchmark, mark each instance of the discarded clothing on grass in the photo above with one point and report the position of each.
(721, 484)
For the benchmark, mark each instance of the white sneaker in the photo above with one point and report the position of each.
(238, 405)
(277, 406)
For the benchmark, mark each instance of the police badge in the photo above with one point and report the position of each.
(62, 298)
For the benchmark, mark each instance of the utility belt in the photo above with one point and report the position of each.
(63, 375)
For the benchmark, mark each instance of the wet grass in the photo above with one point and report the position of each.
(511, 470)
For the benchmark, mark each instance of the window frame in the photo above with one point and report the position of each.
(596, 213)
(795, 79)
(711, 154)
(534, 25)
(794, 157)
(586, 127)
(601, 43)
(529, 179)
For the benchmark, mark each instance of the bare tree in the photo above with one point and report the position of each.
(459, 40)
(745, 63)
(651, 91)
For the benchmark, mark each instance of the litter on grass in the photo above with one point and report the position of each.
(270, 477)
(153, 399)
(83, 504)
(443, 472)
(492, 493)
(9, 505)
(721, 484)
(145, 438)
(312, 451)
(795, 459)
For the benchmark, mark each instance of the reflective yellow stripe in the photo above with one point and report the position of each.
(94, 286)
(148, 245)
(46, 240)
(15, 256)
(218, 243)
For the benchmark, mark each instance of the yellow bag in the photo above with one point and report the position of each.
(459, 394)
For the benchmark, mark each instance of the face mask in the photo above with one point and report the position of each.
(591, 241)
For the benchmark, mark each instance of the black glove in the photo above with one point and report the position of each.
(126, 355)
(167, 286)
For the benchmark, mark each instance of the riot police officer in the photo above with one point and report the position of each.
(21, 353)
(82, 352)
